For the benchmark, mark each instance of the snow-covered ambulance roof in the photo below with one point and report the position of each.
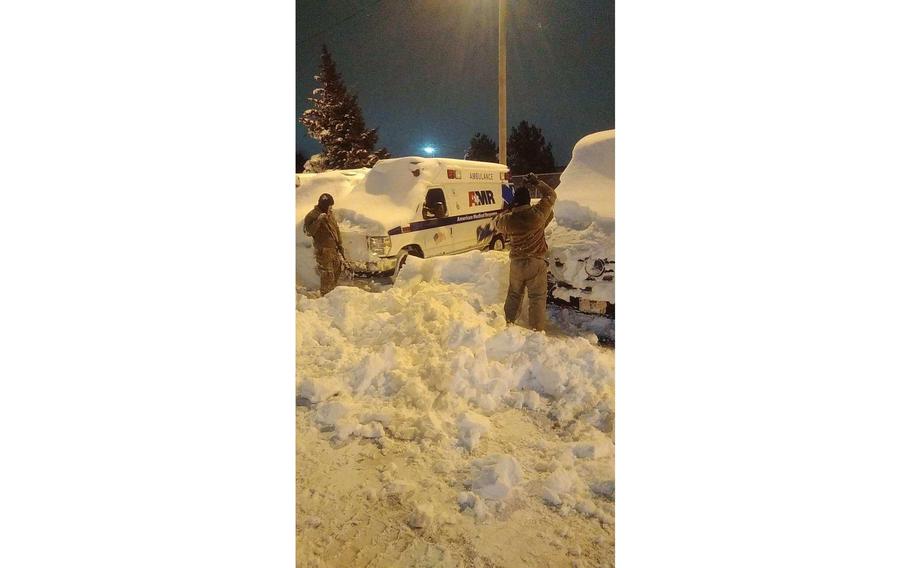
(436, 170)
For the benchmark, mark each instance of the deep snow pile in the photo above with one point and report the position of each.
(584, 216)
(589, 179)
(373, 200)
(338, 183)
(431, 361)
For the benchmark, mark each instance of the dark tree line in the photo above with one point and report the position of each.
(482, 149)
(528, 150)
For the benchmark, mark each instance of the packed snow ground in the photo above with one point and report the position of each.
(431, 433)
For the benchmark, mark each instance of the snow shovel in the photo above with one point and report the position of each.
(347, 271)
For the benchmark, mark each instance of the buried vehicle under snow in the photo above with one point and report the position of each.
(582, 240)
(415, 206)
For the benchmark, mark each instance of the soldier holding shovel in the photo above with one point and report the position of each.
(320, 224)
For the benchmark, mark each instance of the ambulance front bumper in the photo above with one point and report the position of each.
(376, 265)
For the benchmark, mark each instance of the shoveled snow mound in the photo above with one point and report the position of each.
(440, 331)
(587, 186)
(431, 361)
(337, 183)
(583, 230)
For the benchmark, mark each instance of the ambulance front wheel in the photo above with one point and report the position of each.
(498, 243)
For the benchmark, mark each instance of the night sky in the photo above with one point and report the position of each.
(425, 72)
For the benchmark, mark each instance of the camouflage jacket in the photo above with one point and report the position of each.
(323, 229)
(524, 225)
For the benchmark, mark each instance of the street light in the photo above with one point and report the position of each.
(429, 150)
(502, 81)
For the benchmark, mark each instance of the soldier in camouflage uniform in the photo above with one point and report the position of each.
(320, 224)
(524, 225)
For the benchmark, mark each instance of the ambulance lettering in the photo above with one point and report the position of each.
(480, 198)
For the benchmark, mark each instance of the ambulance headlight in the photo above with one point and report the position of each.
(380, 245)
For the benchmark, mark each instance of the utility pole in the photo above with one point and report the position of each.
(502, 82)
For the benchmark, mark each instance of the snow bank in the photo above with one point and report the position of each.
(339, 184)
(583, 231)
(431, 361)
(440, 331)
(587, 186)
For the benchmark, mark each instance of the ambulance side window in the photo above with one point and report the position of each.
(434, 206)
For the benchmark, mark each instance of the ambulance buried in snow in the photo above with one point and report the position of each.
(414, 206)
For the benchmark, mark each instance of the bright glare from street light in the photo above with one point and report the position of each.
(429, 150)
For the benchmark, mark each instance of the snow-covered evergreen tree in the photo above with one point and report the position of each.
(528, 150)
(482, 149)
(336, 122)
(301, 162)
(315, 164)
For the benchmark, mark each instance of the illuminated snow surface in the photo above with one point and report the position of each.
(583, 229)
(430, 433)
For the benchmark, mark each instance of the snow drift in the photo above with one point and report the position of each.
(431, 361)
(583, 231)
(587, 186)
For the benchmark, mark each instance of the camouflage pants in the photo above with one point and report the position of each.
(328, 264)
(528, 274)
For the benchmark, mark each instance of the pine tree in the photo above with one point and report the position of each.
(336, 122)
(482, 149)
(528, 150)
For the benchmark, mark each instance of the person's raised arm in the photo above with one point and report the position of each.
(549, 218)
(501, 222)
(548, 196)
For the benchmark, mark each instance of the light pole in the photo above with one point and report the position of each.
(502, 81)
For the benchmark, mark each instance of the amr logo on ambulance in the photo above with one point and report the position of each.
(480, 198)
